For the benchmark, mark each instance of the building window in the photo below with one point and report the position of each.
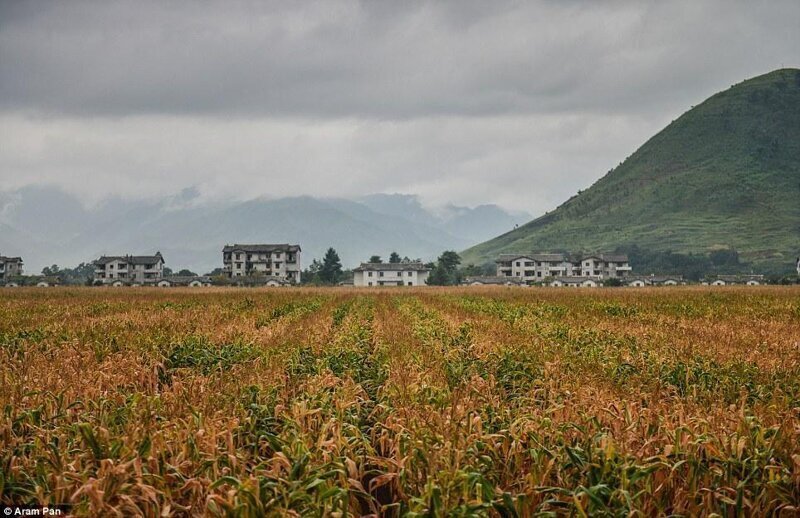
(380, 274)
(369, 274)
(399, 274)
(410, 283)
(369, 284)
(409, 274)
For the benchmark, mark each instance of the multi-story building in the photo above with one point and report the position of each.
(281, 261)
(10, 267)
(538, 267)
(603, 266)
(129, 269)
(391, 274)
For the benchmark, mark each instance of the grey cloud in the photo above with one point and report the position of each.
(516, 103)
(380, 59)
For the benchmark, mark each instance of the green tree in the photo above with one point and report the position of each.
(446, 273)
(331, 268)
(375, 259)
(450, 260)
(394, 258)
(311, 274)
(49, 271)
(186, 273)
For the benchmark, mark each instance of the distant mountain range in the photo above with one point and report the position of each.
(726, 174)
(48, 226)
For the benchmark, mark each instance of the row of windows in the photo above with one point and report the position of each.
(250, 257)
(123, 266)
(380, 283)
(587, 263)
(380, 274)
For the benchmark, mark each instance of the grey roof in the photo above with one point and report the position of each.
(186, 279)
(413, 266)
(740, 278)
(283, 247)
(559, 257)
(4, 259)
(533, 257)
(131, 259)
(654, 278)
(493, 279)
(574, 280)
(255, 280)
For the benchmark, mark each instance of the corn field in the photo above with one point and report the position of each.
(401, 402)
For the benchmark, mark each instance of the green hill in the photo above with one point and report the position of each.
(726, 174)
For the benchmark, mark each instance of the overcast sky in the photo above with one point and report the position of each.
(515, 103)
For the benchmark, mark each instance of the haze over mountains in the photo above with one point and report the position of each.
(48, 226)
(726, 174)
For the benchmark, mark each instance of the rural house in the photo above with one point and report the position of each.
(390, 274)
(280, 261)
(10, 267)
(191, 281)
(654, 280)
(492, 281)
(727, 280)
(574, 282)
(540, 267)
(121, 270)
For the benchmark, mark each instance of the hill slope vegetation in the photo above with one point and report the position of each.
(726, 174)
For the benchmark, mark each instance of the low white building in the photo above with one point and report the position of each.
(390, 274)
(655, 280)
(191, 281)
(121, 270)
(728, 280)
(492, 281)
(574, 282)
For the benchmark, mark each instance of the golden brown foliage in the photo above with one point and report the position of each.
(499, 402)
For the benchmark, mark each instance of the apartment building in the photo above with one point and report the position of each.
(603, 266)
(129, 269)
(544, 267)
(281, 261)
(391, 274)
(10, 267)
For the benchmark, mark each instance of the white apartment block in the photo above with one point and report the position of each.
(129, 269)
(280, 261)
(10, 267)
(536, 267)
(390, 274)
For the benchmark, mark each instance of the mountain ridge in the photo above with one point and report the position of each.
(725, 174)
(46, 225)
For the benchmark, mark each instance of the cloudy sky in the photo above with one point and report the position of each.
(515, 103)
